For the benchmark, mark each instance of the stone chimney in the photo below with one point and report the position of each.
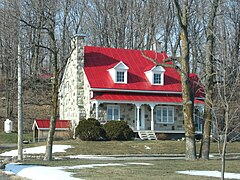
(72, 85)
(78, 43)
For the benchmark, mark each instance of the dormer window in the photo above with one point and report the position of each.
(119, 73)
(157, 78)
(120, 76)
(156, 75)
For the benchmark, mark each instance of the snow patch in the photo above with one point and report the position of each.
(88, 157)
(147, 147)
(210, 174)
(54, 173)
(39, 172)
(37, 150)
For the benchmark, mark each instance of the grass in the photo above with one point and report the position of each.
(136, 147)
(9, 138)
(119, 147)
(161, 169)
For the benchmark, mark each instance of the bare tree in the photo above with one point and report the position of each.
(188, 101)
(209, 81)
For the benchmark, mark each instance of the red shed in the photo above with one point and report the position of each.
(41, 127)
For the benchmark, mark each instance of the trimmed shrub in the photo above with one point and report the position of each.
(90, 130)
(118, 130)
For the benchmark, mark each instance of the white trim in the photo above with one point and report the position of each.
(57, 129)
(135, 102)
(141, 102)
(113, 105)
(135, 91)
(160, 108)
(113, 72)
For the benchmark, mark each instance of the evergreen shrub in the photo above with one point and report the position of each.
(90, 130)
(118, 130)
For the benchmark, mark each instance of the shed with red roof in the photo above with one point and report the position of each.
(41, 127)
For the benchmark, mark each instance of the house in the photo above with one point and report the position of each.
(41, 127)
(120, 84)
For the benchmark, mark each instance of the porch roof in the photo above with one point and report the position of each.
(141, 97)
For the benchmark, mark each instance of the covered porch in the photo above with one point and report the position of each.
(156, 112)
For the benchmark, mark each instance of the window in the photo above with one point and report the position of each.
(120, 76)
(113, 112)
(119, 73)
(156, 75)
(165, 115)
(156, 78)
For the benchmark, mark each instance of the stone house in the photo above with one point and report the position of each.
(120, 84)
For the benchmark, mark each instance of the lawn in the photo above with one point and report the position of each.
(159, 168)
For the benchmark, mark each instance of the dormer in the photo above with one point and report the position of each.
(119, 73)
(156, 75)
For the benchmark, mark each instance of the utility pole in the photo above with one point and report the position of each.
(20, 107)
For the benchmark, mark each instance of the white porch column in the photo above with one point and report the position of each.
(152, 121)
(138, 119)
(97, 104)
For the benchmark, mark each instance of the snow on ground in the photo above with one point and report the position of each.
(55, 173)
(38, 172)
(211, 174)
(89, 157)
(37, 150)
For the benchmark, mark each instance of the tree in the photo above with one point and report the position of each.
(209, 82)
(187, 96)
(50, 27)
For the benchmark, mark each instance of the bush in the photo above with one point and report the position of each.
(161, 136)
(118, 130)
(90, 130)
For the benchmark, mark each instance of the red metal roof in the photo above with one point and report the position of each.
(45, 124)
(99, 59)
(141, 97)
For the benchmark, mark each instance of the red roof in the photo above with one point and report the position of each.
(99, 59)
(142, 97)
(44, 124)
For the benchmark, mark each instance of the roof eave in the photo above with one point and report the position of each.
(136, 91)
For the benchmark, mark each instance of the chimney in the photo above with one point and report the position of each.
(78, 43)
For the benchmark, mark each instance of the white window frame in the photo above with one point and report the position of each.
(124, 76)
(160, 120)
(113, 107)
(155, 70)
(160, 78)
(120, 67)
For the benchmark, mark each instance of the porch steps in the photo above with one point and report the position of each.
(147, 135)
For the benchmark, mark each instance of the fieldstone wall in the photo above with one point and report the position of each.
(71, 92)
(128, 113)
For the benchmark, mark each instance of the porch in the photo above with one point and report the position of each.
(162, 118)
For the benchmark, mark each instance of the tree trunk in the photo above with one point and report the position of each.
(48, 154)
(54, 108)
(209, 83)
(186, 85)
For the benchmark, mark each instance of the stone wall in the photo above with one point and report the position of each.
(128, 113)
(71, 92)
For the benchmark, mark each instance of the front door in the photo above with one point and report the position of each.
(142, 118)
